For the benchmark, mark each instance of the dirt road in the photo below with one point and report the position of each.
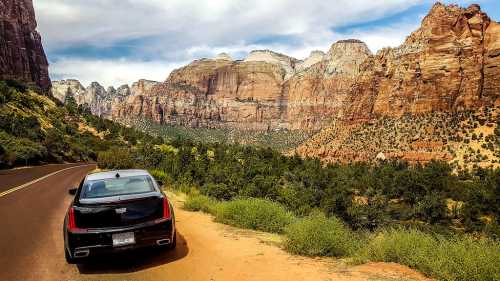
(31, 247)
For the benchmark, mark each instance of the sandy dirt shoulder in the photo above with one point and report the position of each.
(212, 251)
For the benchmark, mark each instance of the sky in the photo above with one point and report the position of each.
(118, 42)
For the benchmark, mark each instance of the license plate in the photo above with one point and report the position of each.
(122, 239)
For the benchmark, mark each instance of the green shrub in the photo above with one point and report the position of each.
(458, 258)
(220, 191)
(116, 158)
(258, 214)
(20, 150)
(317, 235)
(198, 202)
(161, 176)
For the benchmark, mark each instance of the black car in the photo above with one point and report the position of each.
(115, 211)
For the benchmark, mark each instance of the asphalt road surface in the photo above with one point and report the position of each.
(31, 220)
(16, 177)
(31, 244)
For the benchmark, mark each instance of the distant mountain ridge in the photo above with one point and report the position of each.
(450, 63)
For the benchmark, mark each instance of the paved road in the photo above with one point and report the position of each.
(31, 247)
(16, 177)
(29, 218)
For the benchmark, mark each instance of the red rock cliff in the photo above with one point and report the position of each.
(21, 53)
(450, 63)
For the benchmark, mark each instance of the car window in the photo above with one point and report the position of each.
(117, 186)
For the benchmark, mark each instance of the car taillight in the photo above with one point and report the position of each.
(166, 209)
(71, 221)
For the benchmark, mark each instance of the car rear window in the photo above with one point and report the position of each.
(117, 186)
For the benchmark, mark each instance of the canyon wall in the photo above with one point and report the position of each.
(21, 53)
(451, 63)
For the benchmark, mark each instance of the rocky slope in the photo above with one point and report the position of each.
(451, 63)
(101, 101)
(21, 53)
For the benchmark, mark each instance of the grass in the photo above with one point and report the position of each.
(455, 258)
(197, 202)
(317, 235)
(258, 214)
(450, 259)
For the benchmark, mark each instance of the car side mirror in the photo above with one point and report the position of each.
(160, 183)
(72, 191)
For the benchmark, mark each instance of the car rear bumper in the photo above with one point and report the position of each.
(94, 242)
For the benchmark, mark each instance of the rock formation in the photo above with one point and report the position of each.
(250, 94)
(314, 58)
(451, 63)
(21, 53)
(213, 94)
(100, 101)
(223, 56)
(319, 93)
(448, 64)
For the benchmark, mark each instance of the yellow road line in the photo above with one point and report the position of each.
(2, 194)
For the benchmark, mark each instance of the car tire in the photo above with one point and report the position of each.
(69, 259)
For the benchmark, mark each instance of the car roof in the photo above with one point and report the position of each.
(112, 174)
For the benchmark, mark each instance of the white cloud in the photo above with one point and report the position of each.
(111, 72)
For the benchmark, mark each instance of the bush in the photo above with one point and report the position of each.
(116, 159)
(317, 235)
(20, 150)
(459, 258)
(161, 176)
(198, 202)
(258, 214)
(220, 191)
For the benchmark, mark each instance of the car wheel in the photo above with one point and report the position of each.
(69, 259)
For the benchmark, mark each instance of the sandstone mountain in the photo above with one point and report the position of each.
(257, 93)
(451, 63)
(100, 101)
(437, 90)
(21, 53)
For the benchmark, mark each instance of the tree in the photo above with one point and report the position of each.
(84, 109)
(70, 103)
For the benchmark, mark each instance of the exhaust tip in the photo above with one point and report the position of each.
(162, 242)
(81, 253)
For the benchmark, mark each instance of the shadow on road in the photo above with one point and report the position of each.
(133, 261)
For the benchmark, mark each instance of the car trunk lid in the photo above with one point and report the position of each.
(118, 212)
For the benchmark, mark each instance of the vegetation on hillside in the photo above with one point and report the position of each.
(281, 140)
(364, 196)
(36, 129)
(465, 139)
